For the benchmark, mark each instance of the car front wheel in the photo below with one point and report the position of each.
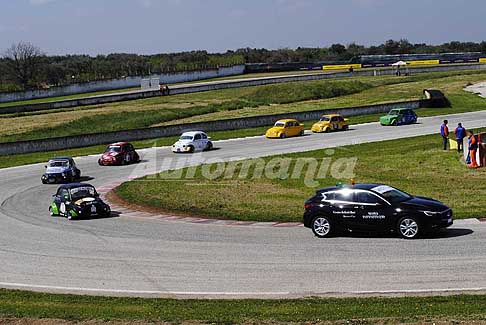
(321, 226)
(408, 228)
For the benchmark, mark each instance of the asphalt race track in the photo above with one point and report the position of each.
(132, 256)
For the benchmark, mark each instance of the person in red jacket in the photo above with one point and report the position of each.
(473, 147)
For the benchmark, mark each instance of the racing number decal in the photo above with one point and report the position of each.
(335, 126)
(62, 208)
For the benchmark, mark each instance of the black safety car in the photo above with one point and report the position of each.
(374, 208)
(78, 200)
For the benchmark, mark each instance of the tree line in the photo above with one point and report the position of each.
(26, 66)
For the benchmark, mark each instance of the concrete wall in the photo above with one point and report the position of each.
(127, 82)
(60, 143)
(215, 85)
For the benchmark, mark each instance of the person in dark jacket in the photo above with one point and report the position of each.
(444, 132)
(460, 133)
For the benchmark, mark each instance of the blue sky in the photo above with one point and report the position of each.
(155, 26)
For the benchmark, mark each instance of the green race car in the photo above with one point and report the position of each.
(78, 200)
(399, 116)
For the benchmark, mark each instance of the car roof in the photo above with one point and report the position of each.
(62, 158)
(118, 144)
(346, 186)
(287, 120)
(401, 109)
(331, 115)
(192, 132)
(74, 185)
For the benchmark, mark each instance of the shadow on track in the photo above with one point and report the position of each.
(451, 233)
(85, 179)
(442, 234)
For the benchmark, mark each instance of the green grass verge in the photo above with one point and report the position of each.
(230, 103)
(416, 165)
(23, 304)
(265, 95)
(390, 89)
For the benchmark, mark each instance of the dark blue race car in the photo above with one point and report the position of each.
(61, 170)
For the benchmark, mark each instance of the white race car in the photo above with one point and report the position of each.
(192, 141)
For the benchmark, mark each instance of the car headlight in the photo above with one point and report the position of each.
(430, 213)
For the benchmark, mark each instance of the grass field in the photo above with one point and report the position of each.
(52, 99)
(416, 165)
(29, 305)
(249, 101)
(133, 118)
(384, 90)
(96, 93)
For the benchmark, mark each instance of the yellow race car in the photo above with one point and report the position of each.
(285, 128)
(331, 122)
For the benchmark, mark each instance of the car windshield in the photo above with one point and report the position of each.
(186, 137)
(391, 194)
(325, 119)
(280, 124)
(394, 112)
(82, 192)
(58, 163)
(113, 149)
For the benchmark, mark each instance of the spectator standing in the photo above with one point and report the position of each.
(473, 148)
(460, 133)
(444, 132)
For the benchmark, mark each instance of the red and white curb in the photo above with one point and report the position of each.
(125, 212)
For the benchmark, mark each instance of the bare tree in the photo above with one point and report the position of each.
(24, 61)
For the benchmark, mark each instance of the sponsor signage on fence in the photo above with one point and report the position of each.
(341, 66)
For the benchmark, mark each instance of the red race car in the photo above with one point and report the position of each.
(120, 153)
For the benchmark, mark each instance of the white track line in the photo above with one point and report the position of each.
(214, 294)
